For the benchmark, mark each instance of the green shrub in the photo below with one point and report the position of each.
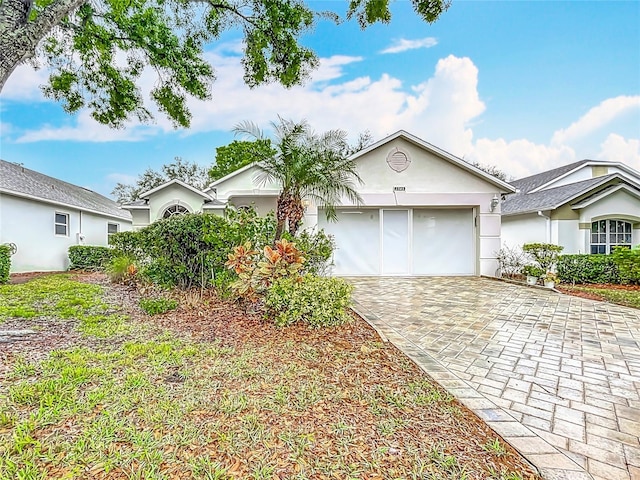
(545, 255)
(628, 262)
(5, 263)
(533, 271)
(89, 257)
(127, 243)
(178, 254)
(157, 306)
(587, 269)
(317, 248)
(122, 269)
(317, 301)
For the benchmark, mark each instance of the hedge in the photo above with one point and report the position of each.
(5, 263)
(628, 262)
(587, 269)
(89, 257)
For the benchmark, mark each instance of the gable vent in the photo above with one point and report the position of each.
(398, 160)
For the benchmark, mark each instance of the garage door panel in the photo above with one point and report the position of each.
(443, 242)
(395, 242)
(357, 236)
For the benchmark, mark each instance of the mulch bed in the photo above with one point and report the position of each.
(570, 290)
(204, 318)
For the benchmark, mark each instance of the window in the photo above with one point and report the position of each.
(607, 234)
(111, 229)
(174, 210)
(61, 224)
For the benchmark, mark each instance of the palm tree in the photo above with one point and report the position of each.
(306, 165)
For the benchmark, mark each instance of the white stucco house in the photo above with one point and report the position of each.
(424, 211)
(171, 198)
(44, 216)
(587, 207)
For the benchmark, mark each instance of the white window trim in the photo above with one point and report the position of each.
(66, 225)
(109, 233)
(608, 245)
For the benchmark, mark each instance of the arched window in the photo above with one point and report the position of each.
(607, 234)
(174, 210)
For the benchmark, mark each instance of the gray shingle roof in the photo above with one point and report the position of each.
(15, 178)
(549, 198)
(532, 182)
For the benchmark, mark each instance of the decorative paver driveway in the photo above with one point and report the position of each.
(557, 376)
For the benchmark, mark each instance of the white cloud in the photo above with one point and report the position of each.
(121, 178)
(86, 129)
(618, 149)
(596, 118)
(24, 84)
(519, 158)
(441, 110)
(402, 45)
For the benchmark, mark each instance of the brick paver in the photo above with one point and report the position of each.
(557, 376)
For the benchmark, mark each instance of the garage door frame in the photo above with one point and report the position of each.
(410, 242)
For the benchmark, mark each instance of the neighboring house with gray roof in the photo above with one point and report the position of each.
(588, 206)
(171, 198)
(44, 216)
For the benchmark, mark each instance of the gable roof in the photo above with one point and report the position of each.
(538, 181)
(506, 187)
(22, 182)
(552, 198)
(411, 138)
(175, 181)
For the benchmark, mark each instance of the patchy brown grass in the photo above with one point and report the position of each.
(628, 295)
(209, 391)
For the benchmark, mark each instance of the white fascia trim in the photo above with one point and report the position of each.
(135, 207)
(250, 193)
(231, 175)
(60, 204)
(508, 188)
(208, 206)
(178, 182)
(604, 194)
(590, 163)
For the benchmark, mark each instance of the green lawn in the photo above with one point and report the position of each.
(630, 298)
(212, 393)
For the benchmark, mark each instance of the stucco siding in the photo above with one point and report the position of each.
(570, 236)
(244, 182)
(30, 225)
(426, 173)
(140, 218)
(173, 195)
(617, 205)
(521, 229)
(263, 205)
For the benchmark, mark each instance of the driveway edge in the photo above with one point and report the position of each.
(550, 462)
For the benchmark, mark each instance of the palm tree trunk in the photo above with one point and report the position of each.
(282, 209)
(295, 216)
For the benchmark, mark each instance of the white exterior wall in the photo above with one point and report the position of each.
(570, 236)
(244, 184)
(173, 195)
(619, 205)
(429, 181)
(30, 225)
(262, 204)
(140, 218)
(520, 229)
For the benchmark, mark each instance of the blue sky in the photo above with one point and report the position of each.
(525, 86)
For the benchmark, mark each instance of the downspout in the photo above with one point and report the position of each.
(548, 222)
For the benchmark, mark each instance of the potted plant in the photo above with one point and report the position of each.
(533, 273)
(550, 279)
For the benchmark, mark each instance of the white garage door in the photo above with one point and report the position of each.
(419, 241)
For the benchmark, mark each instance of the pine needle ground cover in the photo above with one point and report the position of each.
(102, 390)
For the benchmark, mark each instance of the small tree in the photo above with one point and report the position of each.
(545, 255)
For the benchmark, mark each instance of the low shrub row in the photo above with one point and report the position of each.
(588, 269)
(87, 257)
(5, 263)
(622, 266)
